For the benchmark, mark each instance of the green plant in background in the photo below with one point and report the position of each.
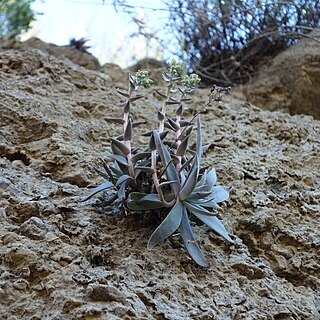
(15, 17)
(166, 174)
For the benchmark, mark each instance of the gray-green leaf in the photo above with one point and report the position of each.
(124, 149)
(135, 203)
(166, 158)
(190, 242)
(145, 169)
(198, 195)
(168, 226)
(122, 190)
(153, 197)
(211, 178)
(103, 186)
(209, 204)
(119, 159)
(215, 224)
(122, 179)
(196, 208)
(190, 182)
(140, 156)
(219, 194)
(182, 149)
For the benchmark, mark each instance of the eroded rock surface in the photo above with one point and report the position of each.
(81, 58)
(62, 259)
(291, 83)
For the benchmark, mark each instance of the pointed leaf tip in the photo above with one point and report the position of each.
(215, 224)
(125, 94)
(182, 149)
(126, 107)
(135, 98)
(121, 146)
(173, 124)
(162, 95)
(190, 242)
(179, 111)
(219, 194)
(119, 159)
(211, 178)
(128, 131)
(102, 187)
(161, 116)
(115, 120)
(152, 144)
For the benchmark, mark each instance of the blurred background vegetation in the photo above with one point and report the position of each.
(15, 16)
(224, 41)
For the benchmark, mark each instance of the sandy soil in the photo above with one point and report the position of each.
(62, 259)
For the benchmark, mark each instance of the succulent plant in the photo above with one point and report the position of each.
(79, 44)
(167, 173)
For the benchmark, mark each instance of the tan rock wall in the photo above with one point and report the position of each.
(291, 83)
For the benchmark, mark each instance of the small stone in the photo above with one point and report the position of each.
(281, 262)
(4, 183)
(84, 312)
(107, 293)
(71, 303)
(34, 228)
(21, 284)
(249, 270)
(308, 180)
(20, 257)
(18, 165)
(67, 254)
(21, 211)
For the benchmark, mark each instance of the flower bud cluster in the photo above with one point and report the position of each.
(191, 82)
(142, 78)
(175, 68)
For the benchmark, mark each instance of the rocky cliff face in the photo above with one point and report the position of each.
(61, 259)
(292, 80)
(81, 58)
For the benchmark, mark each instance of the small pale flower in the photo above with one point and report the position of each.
(142, 78)
(190, 82)
(175, 68)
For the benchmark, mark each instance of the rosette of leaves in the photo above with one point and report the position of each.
(191, 193)
(166, 174)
